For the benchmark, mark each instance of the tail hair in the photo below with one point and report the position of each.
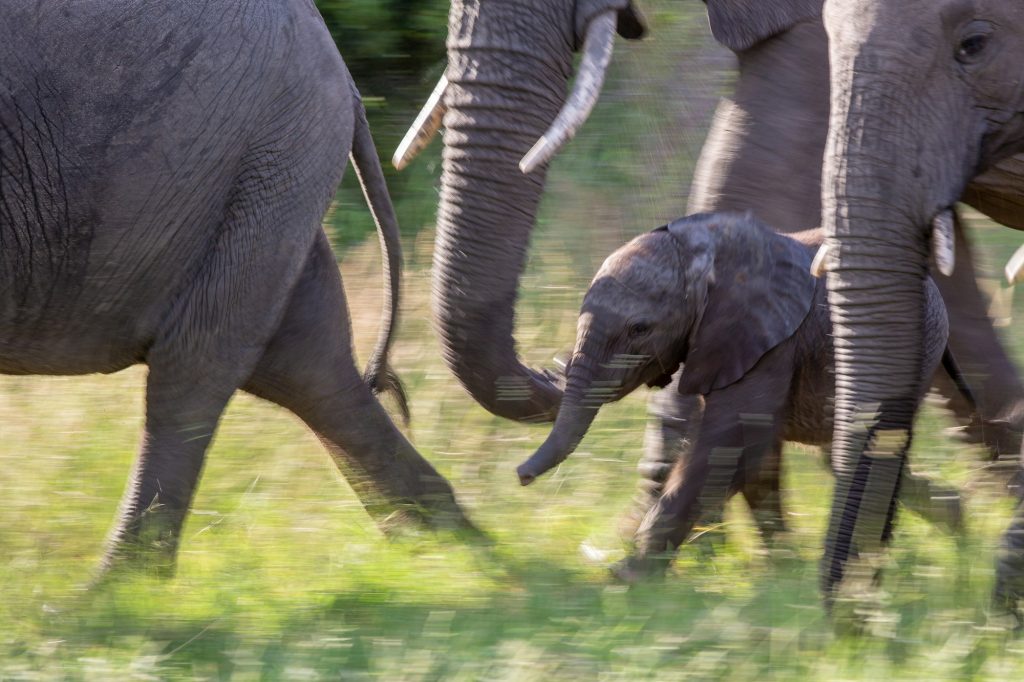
(383, 380)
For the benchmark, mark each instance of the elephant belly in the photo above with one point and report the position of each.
(810, 416)
(812, 392)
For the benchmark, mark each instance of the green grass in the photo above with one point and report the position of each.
(283, 576)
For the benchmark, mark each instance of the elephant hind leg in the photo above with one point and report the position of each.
(762, 489)
(991, 374)
(308, 368)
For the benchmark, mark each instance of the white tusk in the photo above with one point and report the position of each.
(423, 129)
(818, 265)
(597, 53)
(943, 242)
(1015, 267)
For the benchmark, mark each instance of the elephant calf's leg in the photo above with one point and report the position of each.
(308, 368)
(673, 424)
(762, 489)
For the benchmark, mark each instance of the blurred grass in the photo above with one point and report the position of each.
(283, 576)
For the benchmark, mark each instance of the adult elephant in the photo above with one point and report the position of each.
(163, 175)
(925, 93)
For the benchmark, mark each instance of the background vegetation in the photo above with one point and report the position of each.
(282, 575)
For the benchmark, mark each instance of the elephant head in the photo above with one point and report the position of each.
(713, 292)
(925, 94)
(501, 101)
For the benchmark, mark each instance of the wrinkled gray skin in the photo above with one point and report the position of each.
(924, 95)
(734, 304)
(509, 65)
(163, 173)
(763, 154)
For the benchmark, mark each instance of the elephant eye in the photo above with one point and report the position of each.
(974, 42)
(638, 329)
(970, 47)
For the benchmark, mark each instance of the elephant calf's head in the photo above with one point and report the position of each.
(712, 292)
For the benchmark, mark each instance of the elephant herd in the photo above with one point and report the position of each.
(163, 175)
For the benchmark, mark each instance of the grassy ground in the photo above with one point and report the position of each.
(283, 576)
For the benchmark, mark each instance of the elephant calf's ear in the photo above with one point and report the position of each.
(762, 292)
(741, 24)
(630, 22)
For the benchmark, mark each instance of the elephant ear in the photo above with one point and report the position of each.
(741, 24)
(761, 292)
(631, 23)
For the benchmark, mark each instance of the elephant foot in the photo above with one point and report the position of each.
(1004, 613)
(860, 606)
(443, 515)
(936, 503)
(146, 545)
(1001, 434)
(636, 569)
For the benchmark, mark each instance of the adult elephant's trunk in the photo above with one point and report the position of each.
(579, 407)
(876, 213)
(508, 69)
(504, 91)
(485, 216)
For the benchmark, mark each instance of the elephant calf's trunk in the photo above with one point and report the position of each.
(547, 457)
(570, 427)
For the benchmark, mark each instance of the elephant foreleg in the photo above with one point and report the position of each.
(182, 411)
(762, 489)
(990, 372)
(740, 425)
(672, 428)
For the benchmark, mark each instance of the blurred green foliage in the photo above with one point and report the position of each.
(390, 45)
(395, 51)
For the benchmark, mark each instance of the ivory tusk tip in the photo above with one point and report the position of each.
(537, 155)
(818, 265)
(1015, 267)
(944, 242)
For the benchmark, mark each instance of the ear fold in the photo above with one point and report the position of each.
(760, 292)
(631, 23)
(741, 24)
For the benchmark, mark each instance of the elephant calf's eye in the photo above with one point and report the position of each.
(638, 329)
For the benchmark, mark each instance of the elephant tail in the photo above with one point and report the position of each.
(952, 368)
(379, 376)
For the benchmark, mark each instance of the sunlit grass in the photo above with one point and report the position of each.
(283, 576)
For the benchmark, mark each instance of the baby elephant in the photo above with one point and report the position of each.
(735, 304)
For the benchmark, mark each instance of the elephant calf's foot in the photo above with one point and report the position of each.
(1005, 613)
(637, 569)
